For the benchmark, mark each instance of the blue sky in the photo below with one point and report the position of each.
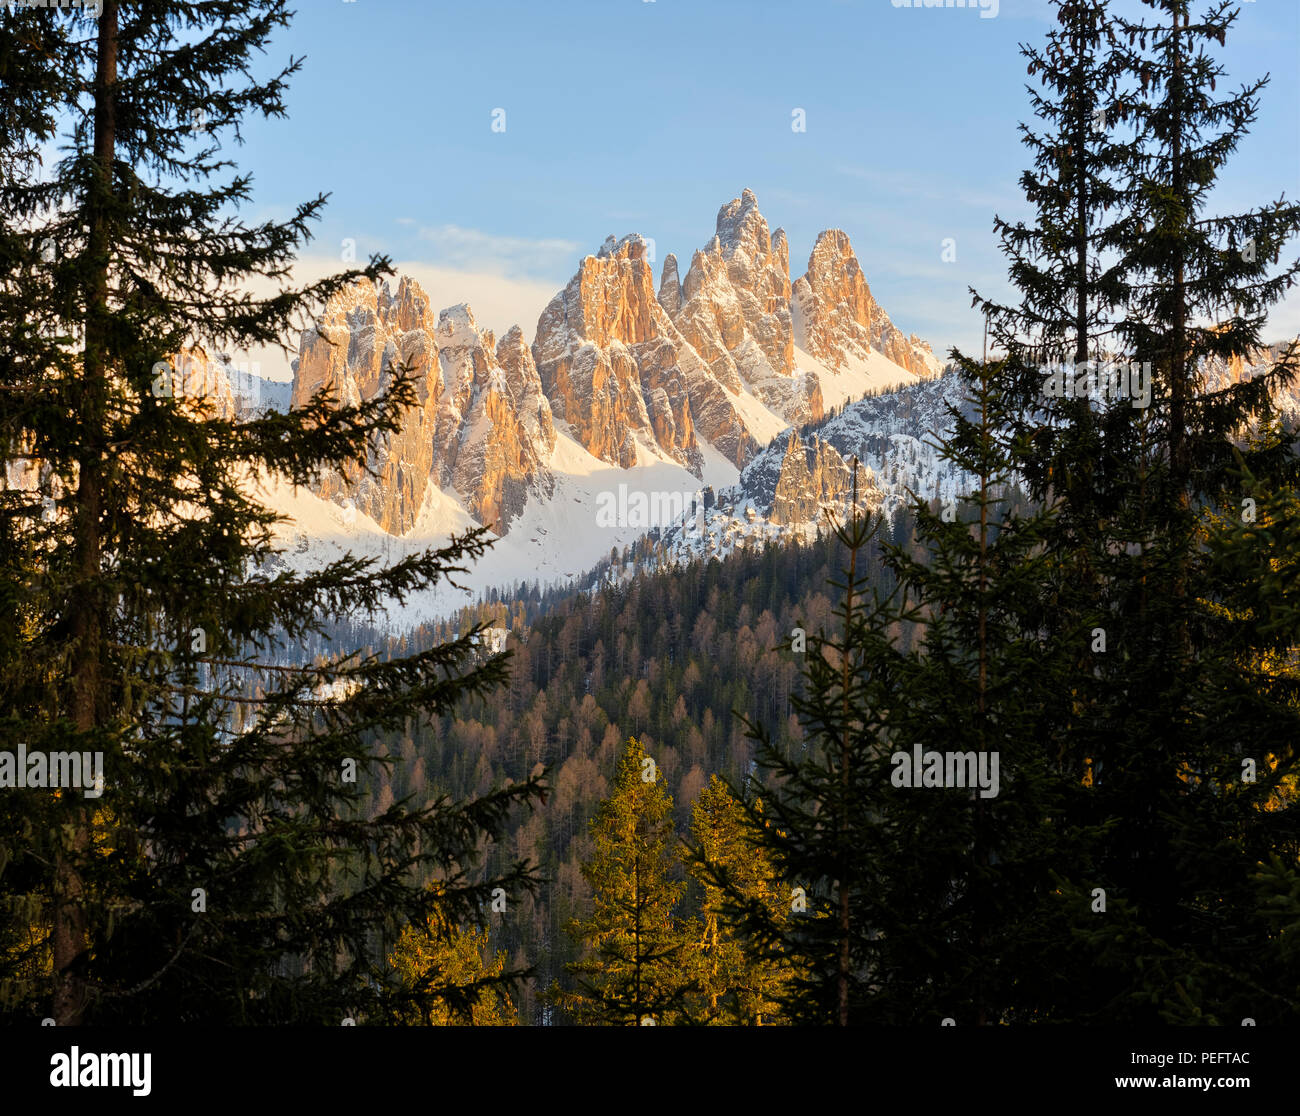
(630, 116)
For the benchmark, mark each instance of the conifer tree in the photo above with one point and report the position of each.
(818, 821)
(1160, 709)
(1183, 696)
(966, 876)
(227, 873)
(460, 973)
(736, 987)
(1063, 264)
(1073, 278)
(631, 970)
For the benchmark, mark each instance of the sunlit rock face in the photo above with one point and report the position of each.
(734, 310)
(633, 374)
(480, 425)
(816, 477)
(836, 317)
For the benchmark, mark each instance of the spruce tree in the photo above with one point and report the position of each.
(1073, 278)
(1171, 692)
(227, 873)
(1183, 699)
(818, 823)
(965, 872)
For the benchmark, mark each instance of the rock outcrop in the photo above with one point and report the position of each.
(596, 341)
(493, 430)
(815, 477)
(670, 287)
(477, 427)
(836, 318)
(199, 382)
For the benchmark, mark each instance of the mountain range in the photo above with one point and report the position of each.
(667, 389)
(673, 407)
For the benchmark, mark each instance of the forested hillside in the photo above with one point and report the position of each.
(666, 658)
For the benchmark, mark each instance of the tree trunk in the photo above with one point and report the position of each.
(1178, 356)
(845, 957)
(1081, 202)
(69, 929)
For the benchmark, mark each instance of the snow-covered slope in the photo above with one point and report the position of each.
(553, 541)
(787, 488)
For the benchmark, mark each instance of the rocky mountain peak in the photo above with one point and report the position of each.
(633, 375)
(740, 227)
(670, 286)
(584, 349)
(514, 356)
(457, 329)
(837, 319)
(735, 312)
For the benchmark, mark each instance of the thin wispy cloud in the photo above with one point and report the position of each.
(498, 301)
(466, 249)
(930, 188)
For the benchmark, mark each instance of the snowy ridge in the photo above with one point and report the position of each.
(894, 438)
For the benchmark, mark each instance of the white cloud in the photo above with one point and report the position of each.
(473, 250)
(498, 301)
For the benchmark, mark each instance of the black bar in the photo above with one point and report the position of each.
(545, 1065)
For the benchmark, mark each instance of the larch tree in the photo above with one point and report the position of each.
(457, 974)
(735, 987)
(632, 968)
